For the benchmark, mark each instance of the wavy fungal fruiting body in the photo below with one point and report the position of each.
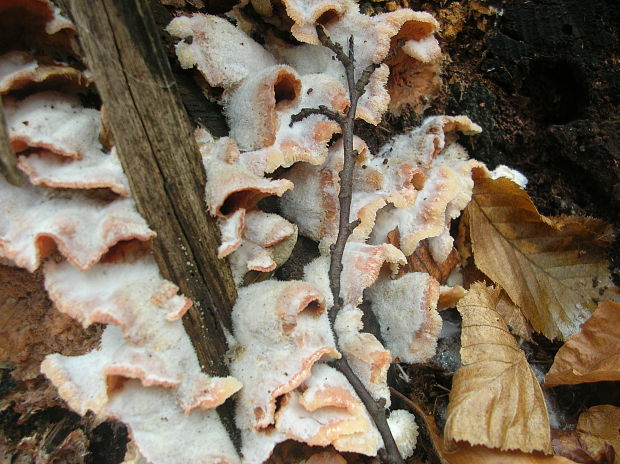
(145, 372)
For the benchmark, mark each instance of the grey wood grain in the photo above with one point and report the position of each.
(155, 143)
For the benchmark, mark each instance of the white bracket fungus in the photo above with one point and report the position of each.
(145, 373)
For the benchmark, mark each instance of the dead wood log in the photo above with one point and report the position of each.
(8, 163)
(155, 143)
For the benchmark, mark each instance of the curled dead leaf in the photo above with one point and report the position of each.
(514, 318)
(603, 421)
(480, 455)
(591, 355)
(496, 400)
(554, 269)
(462, 453)
(582, 447)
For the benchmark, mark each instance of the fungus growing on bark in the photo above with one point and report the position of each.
(205, 50)
(66, 135)
(282, 330)
(34, 221)
(21, 70)
(416, 185)
(145, 339)
(405, 308)
(284, 104)
(326, 412)
(249, 236)
(145, 370)
(402, 39)
(274, 92)
(361, 266)
(269, 91)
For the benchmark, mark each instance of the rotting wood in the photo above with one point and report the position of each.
(155, 142)
(8, 163)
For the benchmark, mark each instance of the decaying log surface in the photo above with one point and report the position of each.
(155, 143)
(8, 163)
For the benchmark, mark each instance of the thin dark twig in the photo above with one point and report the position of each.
(346, 180)
(412, 405)
(322, 109)
(354, 224)
(365, 77)
(376, 410)
(334, 47)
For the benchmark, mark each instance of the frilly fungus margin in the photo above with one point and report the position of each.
(119, 307)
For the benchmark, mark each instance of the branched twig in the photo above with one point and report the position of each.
(346, 60)
(376, 410)
(365, 77)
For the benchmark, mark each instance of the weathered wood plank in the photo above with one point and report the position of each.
(8, 163)
(154, 139)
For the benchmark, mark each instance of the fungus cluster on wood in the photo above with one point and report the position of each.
(145, 372)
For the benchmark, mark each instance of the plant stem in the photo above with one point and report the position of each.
(376, 410)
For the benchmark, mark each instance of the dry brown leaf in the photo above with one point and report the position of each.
(582, 447)
(553, 269)
(462, 242)
(514, 318)
(462, 453)
(496, 400)
(481, 455)
(591, 355)
(604, 422)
